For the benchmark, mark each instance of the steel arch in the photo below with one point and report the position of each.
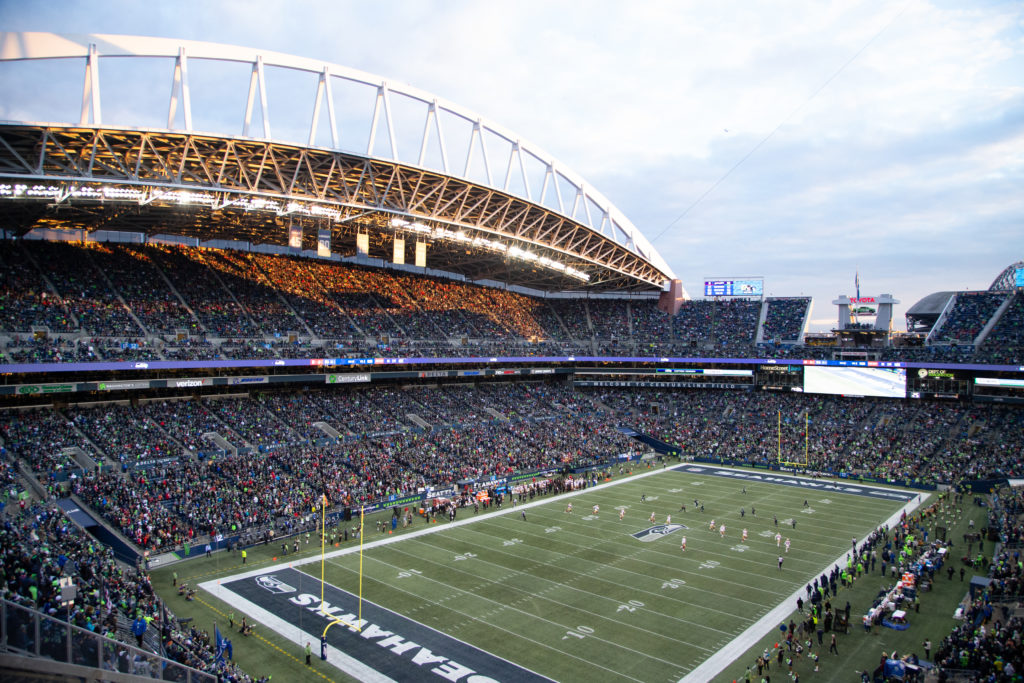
(515, 203)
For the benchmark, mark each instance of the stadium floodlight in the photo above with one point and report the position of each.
(461, 236)
(122, 192)
(41, 190)
(325, 212)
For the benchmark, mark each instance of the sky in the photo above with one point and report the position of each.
(807, 142)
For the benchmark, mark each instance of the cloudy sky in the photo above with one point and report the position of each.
(799, 141)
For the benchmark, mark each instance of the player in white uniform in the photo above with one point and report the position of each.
(668, 519)
(682, 545)
(787, 545)
(568, 508)
(778, 540)
(721, 531)
(744, 534)
(711, 527)
(596, 509)
(622, 513)
(652, 518)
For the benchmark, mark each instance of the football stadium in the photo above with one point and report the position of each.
(440, 411)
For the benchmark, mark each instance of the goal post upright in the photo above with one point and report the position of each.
(780, 435)
(807, 438)
(362, 514)
(323, 535)
(807, 443)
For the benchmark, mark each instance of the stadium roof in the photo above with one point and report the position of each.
(1007, 279)
(486, 203)
(930, 306)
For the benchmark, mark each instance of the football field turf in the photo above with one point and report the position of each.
(573, 596)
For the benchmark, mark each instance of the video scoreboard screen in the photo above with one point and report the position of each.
(751, 287)
(855, 381)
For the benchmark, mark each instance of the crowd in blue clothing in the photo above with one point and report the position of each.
(154, 454)
(111, 302)
(40, 546)
(987, 641)
(785, 318)
(968, 315)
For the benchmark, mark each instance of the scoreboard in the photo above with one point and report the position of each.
(750, 287)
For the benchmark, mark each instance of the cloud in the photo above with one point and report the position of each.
(873, 136)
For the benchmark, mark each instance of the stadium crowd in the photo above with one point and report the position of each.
(986, 644)
(169, 473)
(785, 318)
(160, 302)
(1005, 342)
(40, 545)
(968, 315)
(392, 441)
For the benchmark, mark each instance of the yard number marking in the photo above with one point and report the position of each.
(630, 606)
(580, 632)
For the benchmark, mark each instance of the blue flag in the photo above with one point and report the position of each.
(220, 642)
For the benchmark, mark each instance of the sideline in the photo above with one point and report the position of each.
(738, 646)
(441, 526)
(341, 661)
(706, 671)
(289, 631)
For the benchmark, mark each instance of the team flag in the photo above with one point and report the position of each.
(221, 641)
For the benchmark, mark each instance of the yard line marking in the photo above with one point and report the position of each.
(528, 595)
(491, 624)
(556, 586)
(760, 578)
(714, 664)
(621, 557)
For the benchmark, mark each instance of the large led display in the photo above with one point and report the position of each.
(855, 381)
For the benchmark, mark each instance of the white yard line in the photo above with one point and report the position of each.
(349, 665)
(503, 581)
(704, 672)
(714, 664)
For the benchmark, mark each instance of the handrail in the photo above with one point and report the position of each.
(26, 631)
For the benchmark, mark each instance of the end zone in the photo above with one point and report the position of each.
(381, 646)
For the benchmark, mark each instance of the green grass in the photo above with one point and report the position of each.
(575, 597)
(862, 651)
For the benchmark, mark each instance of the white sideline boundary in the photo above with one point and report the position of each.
(440, 526)
(704, 672)
(341, 661)
(346, 664)
(713, 665)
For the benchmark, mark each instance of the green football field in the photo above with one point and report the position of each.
(584, 596)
